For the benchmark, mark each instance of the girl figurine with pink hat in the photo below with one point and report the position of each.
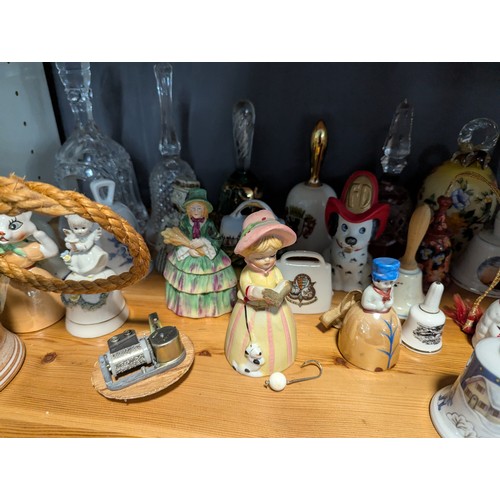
(261, 337)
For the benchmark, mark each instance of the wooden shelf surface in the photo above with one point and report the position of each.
(52, 395)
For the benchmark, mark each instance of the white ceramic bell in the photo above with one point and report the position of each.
(489, 323)
(408, 290)
(470, 408)
(94, 314)
(422, 331)
(476, 267)
(103, 191)
(306, 202)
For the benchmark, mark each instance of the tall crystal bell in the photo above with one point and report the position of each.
(397, 148)
(172, 177)
(242, 185)
(88, 154)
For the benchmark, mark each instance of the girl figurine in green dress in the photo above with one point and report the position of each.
(200, 281)
(261, 336)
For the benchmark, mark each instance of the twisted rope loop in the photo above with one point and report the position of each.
(18, 195)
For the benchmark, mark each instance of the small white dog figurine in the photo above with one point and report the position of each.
(352, 222)
(489, 324)
(255, 360)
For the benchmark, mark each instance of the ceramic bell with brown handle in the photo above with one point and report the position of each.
(306, 202)
(408, 289)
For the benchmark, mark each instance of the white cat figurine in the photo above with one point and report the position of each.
(22, 244)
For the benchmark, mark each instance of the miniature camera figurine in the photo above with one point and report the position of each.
(261, 335)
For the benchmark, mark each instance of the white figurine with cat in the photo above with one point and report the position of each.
(24, 245)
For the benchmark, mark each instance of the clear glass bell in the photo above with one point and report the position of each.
(88, 154)
(172, 177)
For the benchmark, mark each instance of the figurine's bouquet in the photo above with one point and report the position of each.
(174, 236)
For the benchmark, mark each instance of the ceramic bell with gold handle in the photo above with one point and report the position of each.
(306, 202)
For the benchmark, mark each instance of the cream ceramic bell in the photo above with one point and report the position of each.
(306, 202)
(476, 267)
(309, 275)
(423, 329)
(470, 408)
(408, 290)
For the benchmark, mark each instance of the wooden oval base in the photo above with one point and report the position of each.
(148, 386)
(12, 353)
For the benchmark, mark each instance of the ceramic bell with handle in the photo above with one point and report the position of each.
(422, 331)
(408, 290)
(103, 191)
(470, 408)
(306, 202)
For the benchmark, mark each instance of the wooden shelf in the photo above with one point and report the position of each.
(52, 395)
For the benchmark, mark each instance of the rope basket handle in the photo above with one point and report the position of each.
(18, 195)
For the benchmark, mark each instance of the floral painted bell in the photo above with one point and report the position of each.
(468, 180)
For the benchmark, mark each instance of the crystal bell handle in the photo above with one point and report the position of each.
(479, 128)
(319, 141)
(397, 146)
(243, 129)
(169, 145)
(75, 78)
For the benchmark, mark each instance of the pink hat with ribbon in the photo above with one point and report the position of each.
(260, 224)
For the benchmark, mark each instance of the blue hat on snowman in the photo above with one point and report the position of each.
(385, 269)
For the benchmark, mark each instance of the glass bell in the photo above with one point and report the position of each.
(88, 154)
(172, 177)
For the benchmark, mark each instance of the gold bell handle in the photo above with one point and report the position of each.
(319, 141)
